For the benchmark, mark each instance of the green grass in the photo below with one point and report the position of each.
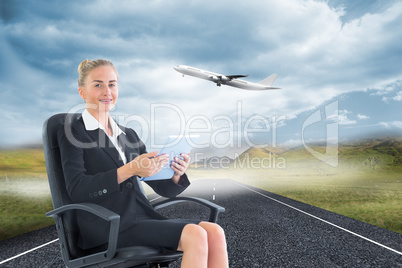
(24, 192)
(374, 205)
(24, 161)
(23, 214)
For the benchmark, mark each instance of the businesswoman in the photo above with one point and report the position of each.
(102, 162)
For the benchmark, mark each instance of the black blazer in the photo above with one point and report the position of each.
(90, 163)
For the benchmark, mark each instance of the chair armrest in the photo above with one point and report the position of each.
(99, 211)
(214, 208)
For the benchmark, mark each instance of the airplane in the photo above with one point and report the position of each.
(229, 80)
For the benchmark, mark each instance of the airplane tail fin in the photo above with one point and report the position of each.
(269, 80)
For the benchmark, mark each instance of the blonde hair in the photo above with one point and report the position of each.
(88, 65)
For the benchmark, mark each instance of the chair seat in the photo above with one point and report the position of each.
(141, 252)
(139, 255)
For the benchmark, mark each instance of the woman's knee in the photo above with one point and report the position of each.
(194, 236)
(218, 230)
(213, 230)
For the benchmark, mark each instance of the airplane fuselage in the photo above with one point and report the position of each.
(221, 79)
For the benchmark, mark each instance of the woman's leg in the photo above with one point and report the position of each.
(203, 245)
(217, 250)
(194, 244)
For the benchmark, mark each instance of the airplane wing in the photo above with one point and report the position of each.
(236, 76)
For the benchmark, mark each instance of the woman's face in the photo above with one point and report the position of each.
(101, 89)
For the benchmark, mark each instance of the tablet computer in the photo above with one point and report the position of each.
(174, 146)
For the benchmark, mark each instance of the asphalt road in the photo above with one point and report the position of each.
(262, 229)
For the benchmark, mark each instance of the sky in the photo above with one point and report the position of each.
(338, 62)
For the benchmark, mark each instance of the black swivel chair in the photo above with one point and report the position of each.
(66, 224)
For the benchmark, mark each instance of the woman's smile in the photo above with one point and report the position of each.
(106, 101)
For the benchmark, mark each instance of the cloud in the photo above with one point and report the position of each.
(317, 52)
(398, 96)
(386, 90)
(362, 117)
(393, 124)
(343, 118)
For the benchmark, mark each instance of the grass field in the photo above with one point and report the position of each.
(357, 188)
(24, 192)
(23, 211)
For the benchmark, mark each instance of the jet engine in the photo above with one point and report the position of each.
(224, 78)
(214, 78)
(219, 79)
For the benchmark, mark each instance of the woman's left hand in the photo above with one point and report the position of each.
(180, 166)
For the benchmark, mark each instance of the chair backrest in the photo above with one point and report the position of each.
(56, 179)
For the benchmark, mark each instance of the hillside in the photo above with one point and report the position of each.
(214, 162)
(372, 153)
(262, 152)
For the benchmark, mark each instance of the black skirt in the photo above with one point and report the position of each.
(153, 232)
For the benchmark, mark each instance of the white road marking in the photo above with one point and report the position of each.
(155, 199)
(330, 223)
(28, 251)
(213, 196)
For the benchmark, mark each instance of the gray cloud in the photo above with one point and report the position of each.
(319, 49)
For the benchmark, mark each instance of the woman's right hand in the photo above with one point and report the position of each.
(144, 165)
(149, 164)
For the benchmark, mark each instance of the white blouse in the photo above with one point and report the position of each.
(92, 124)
